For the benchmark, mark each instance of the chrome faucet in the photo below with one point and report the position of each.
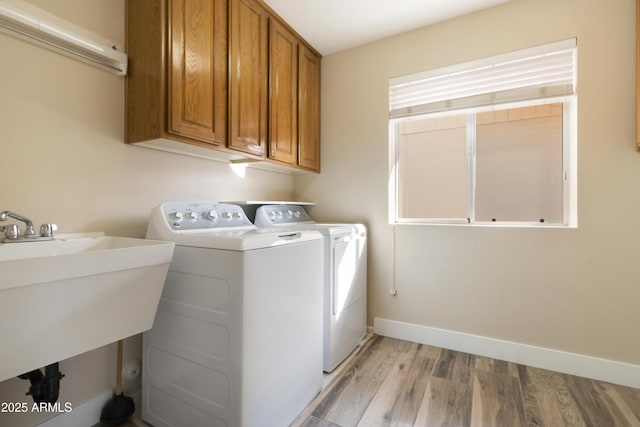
(28, 231)
(12, 232)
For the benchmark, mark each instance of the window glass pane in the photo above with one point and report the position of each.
(519, 164)
(432, 162)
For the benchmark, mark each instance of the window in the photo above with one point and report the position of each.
(491, 142)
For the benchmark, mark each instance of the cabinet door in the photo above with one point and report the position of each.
(283, 91)
(197, 76)
(248, 77)
(309, 109)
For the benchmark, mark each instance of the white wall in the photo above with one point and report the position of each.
(63, 160)
(568, 289)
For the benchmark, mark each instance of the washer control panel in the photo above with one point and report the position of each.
(270, 215)
(202, 216)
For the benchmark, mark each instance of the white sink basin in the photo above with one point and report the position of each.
(64, 297)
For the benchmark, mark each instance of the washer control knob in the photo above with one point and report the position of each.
(212, 215)
(296, 214)
(226, 215)
(191, 216)
(176, 216)
(236, 215)
(289, 213)
(279, 215)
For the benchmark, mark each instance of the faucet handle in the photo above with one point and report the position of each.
(46, 230)
(11, 232)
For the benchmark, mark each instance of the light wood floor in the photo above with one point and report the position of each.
(398, 383)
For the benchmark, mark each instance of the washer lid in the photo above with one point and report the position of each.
(245, 240)
(337, 229)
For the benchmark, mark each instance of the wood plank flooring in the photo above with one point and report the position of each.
(398, 383)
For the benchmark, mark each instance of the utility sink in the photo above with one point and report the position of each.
(64, 297)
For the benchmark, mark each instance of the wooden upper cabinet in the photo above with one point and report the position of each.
(221, 79)
(197, 82)
(294, 109)
(248, 77)
(309, 109)
(176, 88)
(283, 84)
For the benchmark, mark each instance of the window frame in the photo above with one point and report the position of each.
(532, 76)
(569, 166)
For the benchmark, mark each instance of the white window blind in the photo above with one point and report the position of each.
(545, 71)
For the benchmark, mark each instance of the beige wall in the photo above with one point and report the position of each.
(568, 289)
(63, 160)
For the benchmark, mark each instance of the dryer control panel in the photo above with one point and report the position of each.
(270, 215)
(203, 216)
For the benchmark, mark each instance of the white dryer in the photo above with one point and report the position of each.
(344, 277)
(237, 338)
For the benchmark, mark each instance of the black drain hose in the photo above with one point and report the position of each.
(44, 388)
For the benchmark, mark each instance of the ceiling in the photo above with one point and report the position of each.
(334, 25)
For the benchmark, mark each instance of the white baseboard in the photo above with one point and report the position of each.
(554, 360)
(86, 414)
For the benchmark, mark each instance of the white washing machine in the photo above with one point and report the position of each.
(345, 277)
(237, 339)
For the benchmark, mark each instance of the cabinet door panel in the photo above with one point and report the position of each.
(197, 87)
(248, 79)
(309, 110)
(283, 111)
